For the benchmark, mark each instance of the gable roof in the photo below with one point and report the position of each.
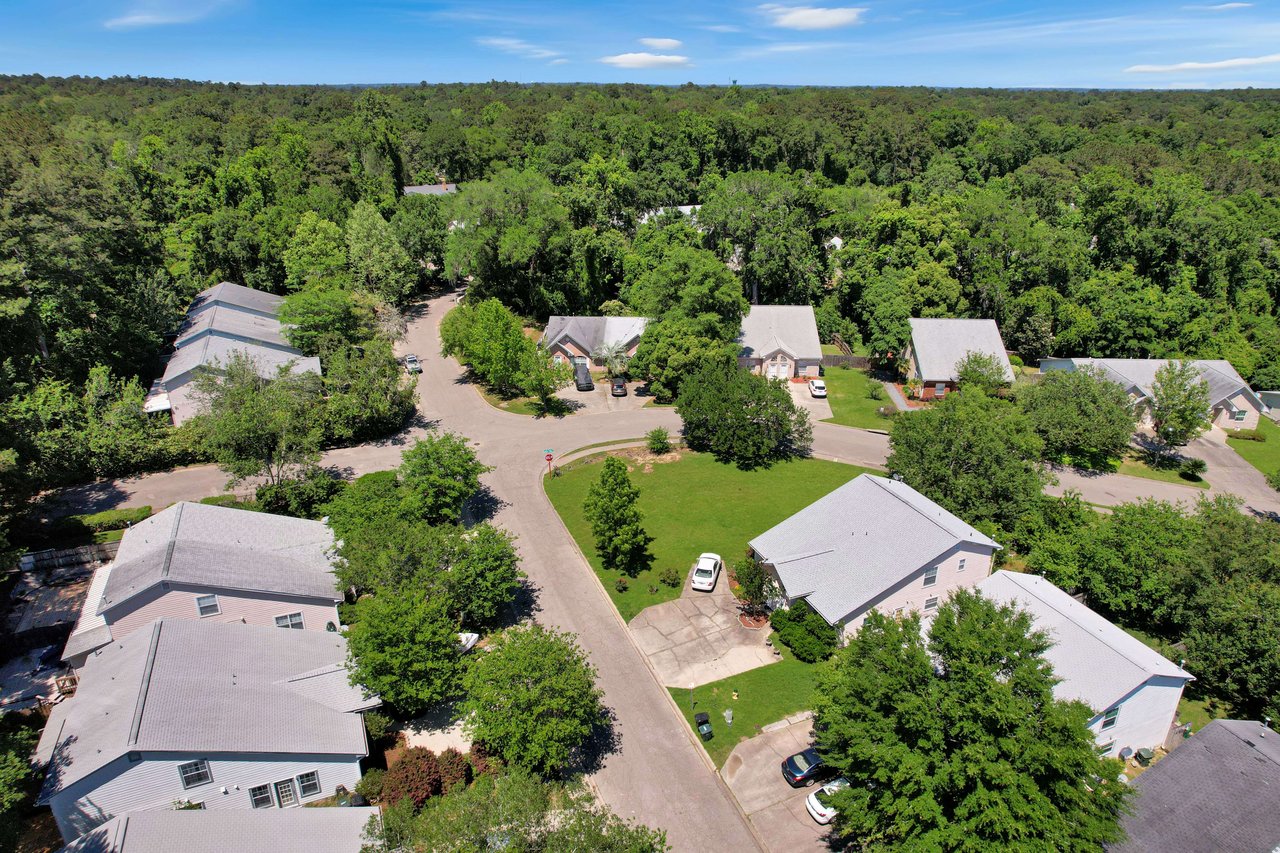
(793, 329)
(224, 548)
(193, 686)
(214, 351)
(431, 189)
(232, 322)
(227, 293)
(590, 333)
(331, 830)
(939, 344)
(1139, 374)
(1215, 791)
(1099, 662)
(847, 548)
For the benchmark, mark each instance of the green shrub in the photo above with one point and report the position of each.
(875, 391)
(1247, 434)
(370, 784)
(670, 576)
(1016, 360)
(621, 585)
(804, 632)
(97, 522)
(1192, 467)
(483, 763)
(415, 777)
(223, 500)
(1273, 479)
(300, 497)
(378, 725)
(659, 441)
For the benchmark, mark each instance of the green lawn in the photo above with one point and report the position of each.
(765, 695)
(1200, 712)
(1135, 467)
(1263, 455)
(515, 405)
(831, 349)
(850, 405)
(690, 506)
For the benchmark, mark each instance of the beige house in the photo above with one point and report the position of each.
(781, 342)
(576, 339)
(938, 345)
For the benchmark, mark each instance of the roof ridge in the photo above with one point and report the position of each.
(1250, 744)
(136, 725)
(881, 481)
(173, 540)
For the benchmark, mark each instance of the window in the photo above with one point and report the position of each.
(292, 620)
(1106, 748)
(1240, 415)
(309, 783)
(931, 576)
(940, 389)
(207, 605)
(931, 603)
(960, 568)
(195, 773)
(1109, 718)
(260, 797)
(286, 794)
(134, 757)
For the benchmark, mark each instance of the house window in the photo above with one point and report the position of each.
(1109, 718)
(207, 605)
(931, 576)
(960, 568)
(286, 794)
(558, 358)
(940, 389)
(309, 784)
(1106, 748)
(931, 603)
(291, 620)
(195, 773)
(260, 797)
(1239, 415)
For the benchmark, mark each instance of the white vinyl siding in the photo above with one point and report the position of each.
(1109, 718)
(252, 607)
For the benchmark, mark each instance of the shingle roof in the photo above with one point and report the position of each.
(227, 293)
(941, 343)
(214, 351)
(590, 333)
(192, 686)
(1217, 791)
(845, 549)
(1139, 374)
(790, 328)
(431, 189)
(91, 630)
(226, 548)
(1099, 662)
(221, 320)
(319, 830)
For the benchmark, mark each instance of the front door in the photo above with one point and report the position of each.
(286, 794)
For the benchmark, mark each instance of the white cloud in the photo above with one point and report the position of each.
(1220, 7)
(812, 17)
(645, 60)
(661, 44)
(518, 47)
(560, 61)
(722, 28)
(158, 14)
(1238, 62)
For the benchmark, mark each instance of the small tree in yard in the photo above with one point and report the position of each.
(415, 777)
(440, 473)
(616, 519)
(532, 698)
(1079, 413)
(741, 417)
(981, 370)
(404, 647)
(1179, 403)
(613, 355)
(541, 377)
(658, 440)
(755, 586)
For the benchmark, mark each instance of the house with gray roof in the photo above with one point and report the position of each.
(213, 564)
(939, 344)
(872, 544)
(1232, 403)
(207, 714)
(1217, 791)
(780, 341)
(441, 188)
(223, 322)
(1132, 689)
(576, 339)
(328, 830)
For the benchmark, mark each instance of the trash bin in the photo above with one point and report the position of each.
(703, 723)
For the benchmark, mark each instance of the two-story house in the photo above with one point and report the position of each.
(872, 544)
(206, 715)
(335, 830)
(215, 564)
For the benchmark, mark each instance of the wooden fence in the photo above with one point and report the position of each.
(860, 362)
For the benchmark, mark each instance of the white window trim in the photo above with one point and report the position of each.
(931, 576)
(933, 606)
(208, 772)
(217, 606)
(960, 567)
(302, 624)
(1109, 718)
(271, 799)
(319, 788)
(293, 785)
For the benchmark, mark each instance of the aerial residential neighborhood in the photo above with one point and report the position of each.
(566, 426)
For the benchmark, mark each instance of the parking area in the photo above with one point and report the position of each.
(601, 400)
(697, 638)
(817, 407)
(753, 772)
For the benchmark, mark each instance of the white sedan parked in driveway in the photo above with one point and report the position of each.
(819, 802)
(817, 388)
(706, 571)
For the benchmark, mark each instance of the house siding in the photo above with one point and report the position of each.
(1223, 416)
(1146, 715)
(253, 608)
(153, 783)
(808, 368)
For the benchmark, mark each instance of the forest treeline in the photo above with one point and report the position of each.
(1098, 223)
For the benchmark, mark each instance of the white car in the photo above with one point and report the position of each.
(706, 571)
(819, 802)
(817, 388)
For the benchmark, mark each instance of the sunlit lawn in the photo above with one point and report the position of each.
(1134, 466)
(850, 405)
(1263, 455)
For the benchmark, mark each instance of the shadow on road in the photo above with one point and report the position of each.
(90, 497)
(482, 506)
(604, 741)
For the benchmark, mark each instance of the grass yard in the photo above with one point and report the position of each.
(1135, 467)
(850, 406)
(765, 695)
(692, 504)
(515, 405)
(1263, 455)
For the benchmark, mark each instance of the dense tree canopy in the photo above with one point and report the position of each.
(1079, 414)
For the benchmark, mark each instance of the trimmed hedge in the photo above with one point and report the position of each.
(97, 522)
(1247, 434)
(806, 633)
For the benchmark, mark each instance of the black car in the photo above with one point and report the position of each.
(582, 378)
(803, 768)
(618, 388)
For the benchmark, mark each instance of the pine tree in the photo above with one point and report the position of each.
(616, 520)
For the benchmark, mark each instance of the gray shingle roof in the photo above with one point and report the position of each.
(431, 189)
(940, 343)
(845, 549)
(1099, 662)
(191, 686)
(1139, 374)
(221, 320)
(214, 351)
(1218, 791)
(589, 333)
(224, 548)
(227, 293)
(790, 328)
(317, 830)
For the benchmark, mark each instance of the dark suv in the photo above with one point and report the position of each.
(582, 378)
(803, 768)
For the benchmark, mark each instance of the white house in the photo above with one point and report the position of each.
(330, 830)
(1133, 690)
(938, 345)
(214, 564)
(1232, 403)
(215, 715)
(873, 543)
(780, 341)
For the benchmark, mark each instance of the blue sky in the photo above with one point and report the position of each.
(877, 42)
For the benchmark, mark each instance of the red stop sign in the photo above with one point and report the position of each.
(548, 457)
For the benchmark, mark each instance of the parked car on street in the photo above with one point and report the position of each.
(412, 364)
(582, 378)
(618, 388)
(706, 572)
(818, 803)
(803, 768)
(817, 388)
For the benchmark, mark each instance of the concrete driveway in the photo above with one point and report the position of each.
(600, 400)
(697, 638)
(817, 407)
(753, 773)
(1229, 473)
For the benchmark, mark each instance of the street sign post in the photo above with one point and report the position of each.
(549, 457)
